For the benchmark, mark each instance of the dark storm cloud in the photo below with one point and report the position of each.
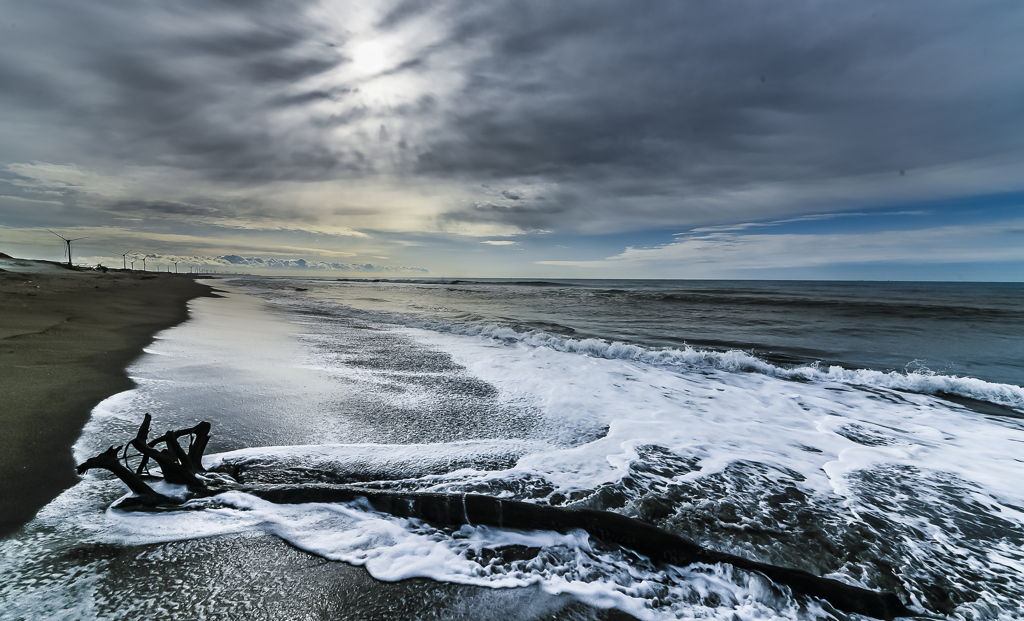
(682, 99)
(607, 106)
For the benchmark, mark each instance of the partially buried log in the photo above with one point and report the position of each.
(185, 467)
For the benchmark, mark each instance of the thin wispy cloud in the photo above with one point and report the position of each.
(717, 254)
(808, 218)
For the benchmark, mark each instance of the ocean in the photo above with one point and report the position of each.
(872, 433)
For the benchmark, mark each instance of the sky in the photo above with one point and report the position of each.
(518, 138)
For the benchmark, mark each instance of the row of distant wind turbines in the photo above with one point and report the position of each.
(124, 255)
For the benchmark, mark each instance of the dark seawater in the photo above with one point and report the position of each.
(868, 432)
(972, 329)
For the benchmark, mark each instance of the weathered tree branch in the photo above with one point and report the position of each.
(198, 447)
(108, 460)
(174, 463)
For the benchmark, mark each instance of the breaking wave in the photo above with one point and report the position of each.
(922, 380)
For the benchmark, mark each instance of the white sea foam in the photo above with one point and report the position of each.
(727, 417)
(920, 380)
(380, 454)
(389, 462)
(395, 549)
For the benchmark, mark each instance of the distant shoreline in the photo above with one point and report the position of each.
(66, 339)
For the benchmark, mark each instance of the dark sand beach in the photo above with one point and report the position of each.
(67, 337)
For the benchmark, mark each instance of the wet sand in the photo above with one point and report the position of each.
(66, 338)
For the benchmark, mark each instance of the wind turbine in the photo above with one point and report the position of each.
(143, 263)
(68, 243)
(124, 258)
(133, 264)
(175, 267)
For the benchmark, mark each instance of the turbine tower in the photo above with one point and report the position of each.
(124, 257)
(67, 242)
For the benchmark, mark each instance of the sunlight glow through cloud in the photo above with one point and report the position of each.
(370, 57)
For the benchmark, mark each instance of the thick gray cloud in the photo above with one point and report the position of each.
(191, 85)
(656, 102)
(556, 116)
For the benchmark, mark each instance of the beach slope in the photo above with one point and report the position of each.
(66, 337)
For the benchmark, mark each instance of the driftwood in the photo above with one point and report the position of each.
(184, 467)
(176, 465)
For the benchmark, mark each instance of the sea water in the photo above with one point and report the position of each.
(872, 433)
